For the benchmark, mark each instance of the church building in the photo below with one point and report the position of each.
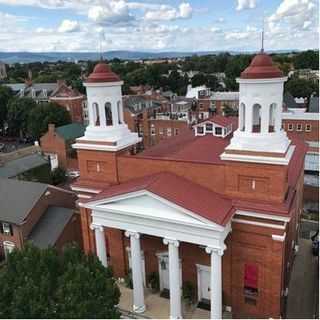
(217, 206)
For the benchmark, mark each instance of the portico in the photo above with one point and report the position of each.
(145, 213)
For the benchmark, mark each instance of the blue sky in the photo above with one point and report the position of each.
(157, 25)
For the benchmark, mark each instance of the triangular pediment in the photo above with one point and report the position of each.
(150, 206)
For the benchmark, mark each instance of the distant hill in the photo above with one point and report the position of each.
(26, 57)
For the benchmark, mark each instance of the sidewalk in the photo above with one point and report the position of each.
(303, 287)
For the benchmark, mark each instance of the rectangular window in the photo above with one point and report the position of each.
(299, 127)
(161, 131)
(209, 127)
(290, 127)
(176, 131)
(169, 133)
(6, 229)
(250, 288)
(153, 130)
(200, 130)
(218, 131)
(201, 106)
(308, 127)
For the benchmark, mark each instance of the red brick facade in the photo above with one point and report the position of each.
(55, 197)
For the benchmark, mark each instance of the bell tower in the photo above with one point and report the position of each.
(106, 130)
(260, 137)
(106, 135)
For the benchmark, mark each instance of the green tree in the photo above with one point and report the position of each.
(307, 60)
(43, 283)
(5, 96)
(46, 113)
(58, 176)
(18, 113)
(301, 87)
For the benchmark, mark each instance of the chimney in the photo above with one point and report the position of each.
(51, 128)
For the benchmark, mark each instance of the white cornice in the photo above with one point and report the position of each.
(89, 190)
(262, 215)
(277, 237)
(260, 224)
(259, 159)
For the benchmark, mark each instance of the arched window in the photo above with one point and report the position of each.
(272, 117)
(256, 118)
(242, 118)
(119, 112)
(108, 112)
(96, 117)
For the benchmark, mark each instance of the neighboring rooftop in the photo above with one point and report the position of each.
(71, 131)
(50, 227)
(17, 198)
(232, 95)
(15, 167)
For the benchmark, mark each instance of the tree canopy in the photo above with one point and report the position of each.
(302, 87)
(307, 60)
(43, 114)
(43, 283)
(5, 96)
(18, 113)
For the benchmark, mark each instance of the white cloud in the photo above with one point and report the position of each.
(112, 12)
(169, 13)
(69, 26)
(185, 10)
(246, 4)
(298, 14)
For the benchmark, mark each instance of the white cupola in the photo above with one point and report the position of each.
(260, 137)
(107, 129)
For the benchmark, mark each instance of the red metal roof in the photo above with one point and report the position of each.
(261, 67)
(221, 121)
(179, 191)
(188, 147)
(102, 73)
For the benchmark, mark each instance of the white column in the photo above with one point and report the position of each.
(249, 118)
(174, 278)
(102, 114)
(265, 114)
(136, 269)
(215, 282)
(100, 243)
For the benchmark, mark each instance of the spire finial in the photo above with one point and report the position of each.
(262, 36)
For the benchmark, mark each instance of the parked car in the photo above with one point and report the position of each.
(2, 146)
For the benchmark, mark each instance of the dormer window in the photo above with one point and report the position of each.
(200, 130)
(218, 131)
(209, 127)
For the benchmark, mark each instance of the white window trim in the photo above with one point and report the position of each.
(290, 127)
(297, 127)
(308, 127)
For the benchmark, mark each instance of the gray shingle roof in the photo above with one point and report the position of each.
(17, 198)
(50, 226)
(15, 167)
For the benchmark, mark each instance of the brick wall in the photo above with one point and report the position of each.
(53, 143)
(73, 106)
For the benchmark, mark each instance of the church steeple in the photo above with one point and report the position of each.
(106, 130)
(259, 137)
